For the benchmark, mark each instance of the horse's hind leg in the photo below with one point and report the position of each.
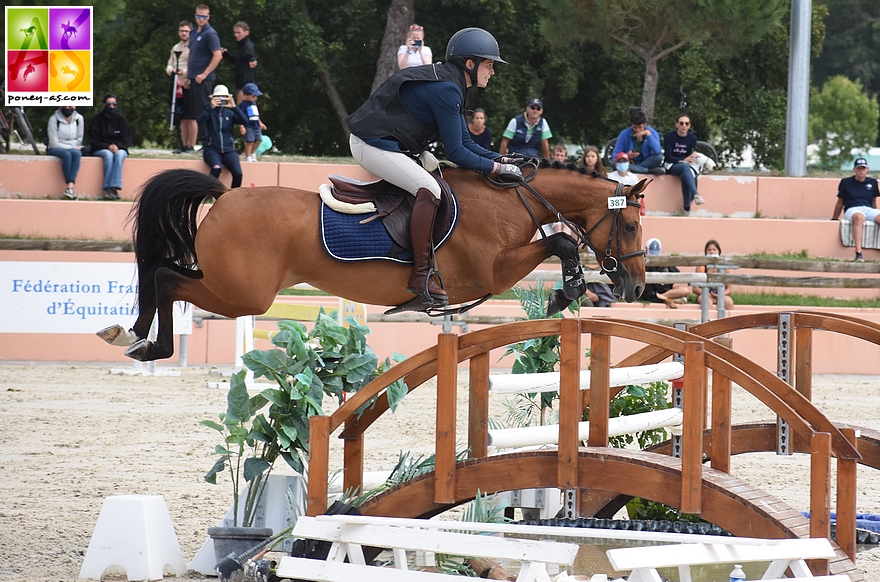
(168, 286)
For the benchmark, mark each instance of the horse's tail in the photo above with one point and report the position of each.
(164, 225)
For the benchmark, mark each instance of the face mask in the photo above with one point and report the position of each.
(712, 254)
(67, 111)
(623, 167)
(110, 109)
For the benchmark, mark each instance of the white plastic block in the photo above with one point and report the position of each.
(134, 537)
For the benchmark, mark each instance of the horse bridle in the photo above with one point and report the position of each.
(609, 263)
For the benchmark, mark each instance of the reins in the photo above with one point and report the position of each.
(609, 263)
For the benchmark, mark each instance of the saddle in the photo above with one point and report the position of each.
(393, 205)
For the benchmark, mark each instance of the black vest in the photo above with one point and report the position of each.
(383, 116)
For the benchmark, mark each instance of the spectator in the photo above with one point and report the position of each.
(681, 147)
(409, 111)
(560, 153)
(65, 131)
(110, 138)
(712, 249)
(253, 129)
(205, 54)
(857, 196)
(244, 61)
(177, 62)
(480, 132)
(592, 161)
(414, 53)
(671, 295)
(641, 143)
(621, 171)
(218, 149)
(527, 132)
(600, 294)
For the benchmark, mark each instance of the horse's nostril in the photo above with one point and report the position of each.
(637, 292)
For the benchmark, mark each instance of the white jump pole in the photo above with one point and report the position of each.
(549, 381)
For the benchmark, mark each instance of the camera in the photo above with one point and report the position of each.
(223, 100)
(417, 43)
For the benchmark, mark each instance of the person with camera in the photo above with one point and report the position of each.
(414, 53)
(218, 149)
(392, 131)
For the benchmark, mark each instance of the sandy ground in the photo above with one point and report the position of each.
(75, 434)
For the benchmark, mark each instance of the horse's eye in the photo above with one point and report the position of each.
(631, 227)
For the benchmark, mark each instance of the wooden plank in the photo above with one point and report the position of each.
(319, 463)
(570, 411)
(810, 282)
(600, 389)
(447, 386)
(720, 445)
(769, 264)
(820, 493)
(478, 406)
(803, 359)
(692, 429)
(353, 463)
(847, 494)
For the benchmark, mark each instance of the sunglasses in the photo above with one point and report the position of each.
(535, 107)
(685, 123)
(201, 16)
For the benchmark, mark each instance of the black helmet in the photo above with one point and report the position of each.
(473, 43)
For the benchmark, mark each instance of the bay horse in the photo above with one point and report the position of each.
(254, 242)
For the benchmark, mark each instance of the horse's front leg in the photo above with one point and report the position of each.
(512, 265)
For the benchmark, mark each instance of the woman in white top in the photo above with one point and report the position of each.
(65, 142)
(414, 53)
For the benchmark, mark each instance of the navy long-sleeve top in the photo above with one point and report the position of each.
(219, 126)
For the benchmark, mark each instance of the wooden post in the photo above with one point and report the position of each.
(447, 385)
(846, 498)
(803, 361)
(353, 464)
(319, 464)
(720, 445)
(600, 389)
(692, 429)
(569, 396)
(478, 406)
(820, 494)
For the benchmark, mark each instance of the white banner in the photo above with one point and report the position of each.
(73, 298)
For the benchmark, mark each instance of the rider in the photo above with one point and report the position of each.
(391, 132)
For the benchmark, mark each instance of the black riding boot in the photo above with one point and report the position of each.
(421, 229)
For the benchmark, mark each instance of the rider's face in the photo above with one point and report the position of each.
(485, 72)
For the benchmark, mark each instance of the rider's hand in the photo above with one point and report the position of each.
(510, 172)
(509, 158)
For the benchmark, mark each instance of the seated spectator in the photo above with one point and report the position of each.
(218, 149)
(857, 198)
(65, 130)
(712, 249)
(528, 133)
(560, 153)
(681, 148)
(110, 138)
(671, 295)
(414, 53)
(592, 161)
(641, 143)
(480, 132)
(621, 171)
(600, 294)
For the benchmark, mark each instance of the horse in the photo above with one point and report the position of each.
(254, 242)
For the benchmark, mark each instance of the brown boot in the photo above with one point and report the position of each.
(421, 229)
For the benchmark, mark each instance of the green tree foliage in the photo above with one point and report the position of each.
(843, 118)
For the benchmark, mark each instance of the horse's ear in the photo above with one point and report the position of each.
(640, 186)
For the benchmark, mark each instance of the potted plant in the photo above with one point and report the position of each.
(258, 429)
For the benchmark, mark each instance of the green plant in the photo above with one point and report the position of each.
(330, 359)
(634, 400)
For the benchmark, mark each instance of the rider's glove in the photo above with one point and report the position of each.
(510, 172)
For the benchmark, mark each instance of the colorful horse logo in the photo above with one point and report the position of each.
(68, 71)
(30, 69)
(29, 31)
(68, 30)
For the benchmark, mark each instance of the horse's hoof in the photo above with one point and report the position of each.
(139, 351)
(116, 335)
(557, 302)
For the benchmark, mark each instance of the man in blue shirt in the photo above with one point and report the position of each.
(391, 132)
(205, 53)
(641, 143)
(857, 197)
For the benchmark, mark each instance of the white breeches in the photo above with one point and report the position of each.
(394, 167)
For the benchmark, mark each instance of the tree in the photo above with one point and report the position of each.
(843, 118)
(654, 29)
(400, 15)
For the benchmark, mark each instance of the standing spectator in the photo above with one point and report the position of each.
(110, 138)
(681, 147)
(177, 62)
(205, 54)
(244, 61)
(480, 132)
(671, 295)
(218, 150)
(65, 130)
(253, 129)
(414, 53)
(528, 133)
(621, 171)
(560, 153)
(592, 161)
(641, 143)
(857, 196)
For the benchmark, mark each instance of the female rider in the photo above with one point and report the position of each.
(391, 132)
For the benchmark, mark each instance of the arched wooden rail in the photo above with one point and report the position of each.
(680, 482)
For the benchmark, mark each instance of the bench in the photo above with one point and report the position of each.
(782, 555)
(348, 534)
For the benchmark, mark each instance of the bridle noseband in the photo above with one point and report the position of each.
(609, 263)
